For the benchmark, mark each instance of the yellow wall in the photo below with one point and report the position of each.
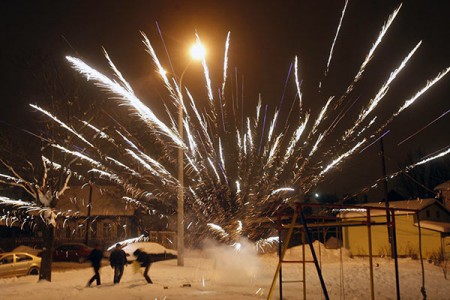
(356, 238)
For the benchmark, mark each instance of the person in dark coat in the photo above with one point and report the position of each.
(118, 259)
(145, 259)
(96, 257)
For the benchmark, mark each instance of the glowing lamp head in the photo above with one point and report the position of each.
(198, 52)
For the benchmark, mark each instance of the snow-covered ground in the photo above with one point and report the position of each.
(223, 273)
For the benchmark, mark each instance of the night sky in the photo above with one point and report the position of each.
(265, 37)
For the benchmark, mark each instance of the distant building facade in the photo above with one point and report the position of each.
(434, 222)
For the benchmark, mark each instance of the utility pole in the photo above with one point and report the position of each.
(390, 227)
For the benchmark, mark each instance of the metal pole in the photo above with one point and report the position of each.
(394, 248)
(422, 289)
(369, 229)
(311, 247)
(180, 213)
(180, 204)
(391, 226)
(385, 190)
(304, 263)
(280, 258)
(88, 219)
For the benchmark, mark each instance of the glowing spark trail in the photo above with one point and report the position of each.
(336, 36)
(230, 180)
(125, 95)
(61, 123)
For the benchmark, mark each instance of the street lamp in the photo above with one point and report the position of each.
(197, 53)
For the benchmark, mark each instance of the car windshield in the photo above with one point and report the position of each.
(6, 260)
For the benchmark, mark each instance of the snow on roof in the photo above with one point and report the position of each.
(106, 201)
(416, 204)
(445, 186)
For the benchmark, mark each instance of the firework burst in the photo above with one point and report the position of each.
(238, 169)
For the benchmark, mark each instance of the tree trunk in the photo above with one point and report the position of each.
(48, 232)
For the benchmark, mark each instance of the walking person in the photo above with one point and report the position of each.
(118, 260)
(145, 259)
(96, 257)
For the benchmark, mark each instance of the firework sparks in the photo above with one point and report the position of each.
(230, 179)
(336, 36)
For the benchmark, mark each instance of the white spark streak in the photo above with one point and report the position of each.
(284, 189)
(214, 169)
(249, 133)
(216, 228)
(140, 238)
(117, 72)
(62, 124)
(258, 109)
(443, 153)
(161, 70)
(272, 126)
(19, 203)
(239, 228)
(381, 93)
(206, 71)
(315, 147)
(262, 243)
(340, 158)
(126, 96)
(101, 133)
(384, 29)
(297, 83)
(321, 115)
(111, 177)
(78, 154)
(272, 151)
(133, 172)
(222, 159)
(423, 90)
(335, 37)
(296, 138)
(225, 64)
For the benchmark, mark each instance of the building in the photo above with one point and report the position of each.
(434, 222)
(111, 218)
(443, 192)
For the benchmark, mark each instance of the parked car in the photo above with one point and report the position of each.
(158, 251)
(72, 252)
(19, 264)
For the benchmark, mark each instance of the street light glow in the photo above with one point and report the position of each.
(198, 52)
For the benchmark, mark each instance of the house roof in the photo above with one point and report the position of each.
(445, 186)
(106, 201)
(416, 204)
(434, 225)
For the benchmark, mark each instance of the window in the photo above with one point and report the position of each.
(23, 257)
(428, 213)
(7, 260)
(93, 230)
(438, 214)
(107, 228)
(68, 232)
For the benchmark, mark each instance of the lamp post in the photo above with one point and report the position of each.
(197, 52)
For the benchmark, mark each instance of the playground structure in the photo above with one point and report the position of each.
(324, 219)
